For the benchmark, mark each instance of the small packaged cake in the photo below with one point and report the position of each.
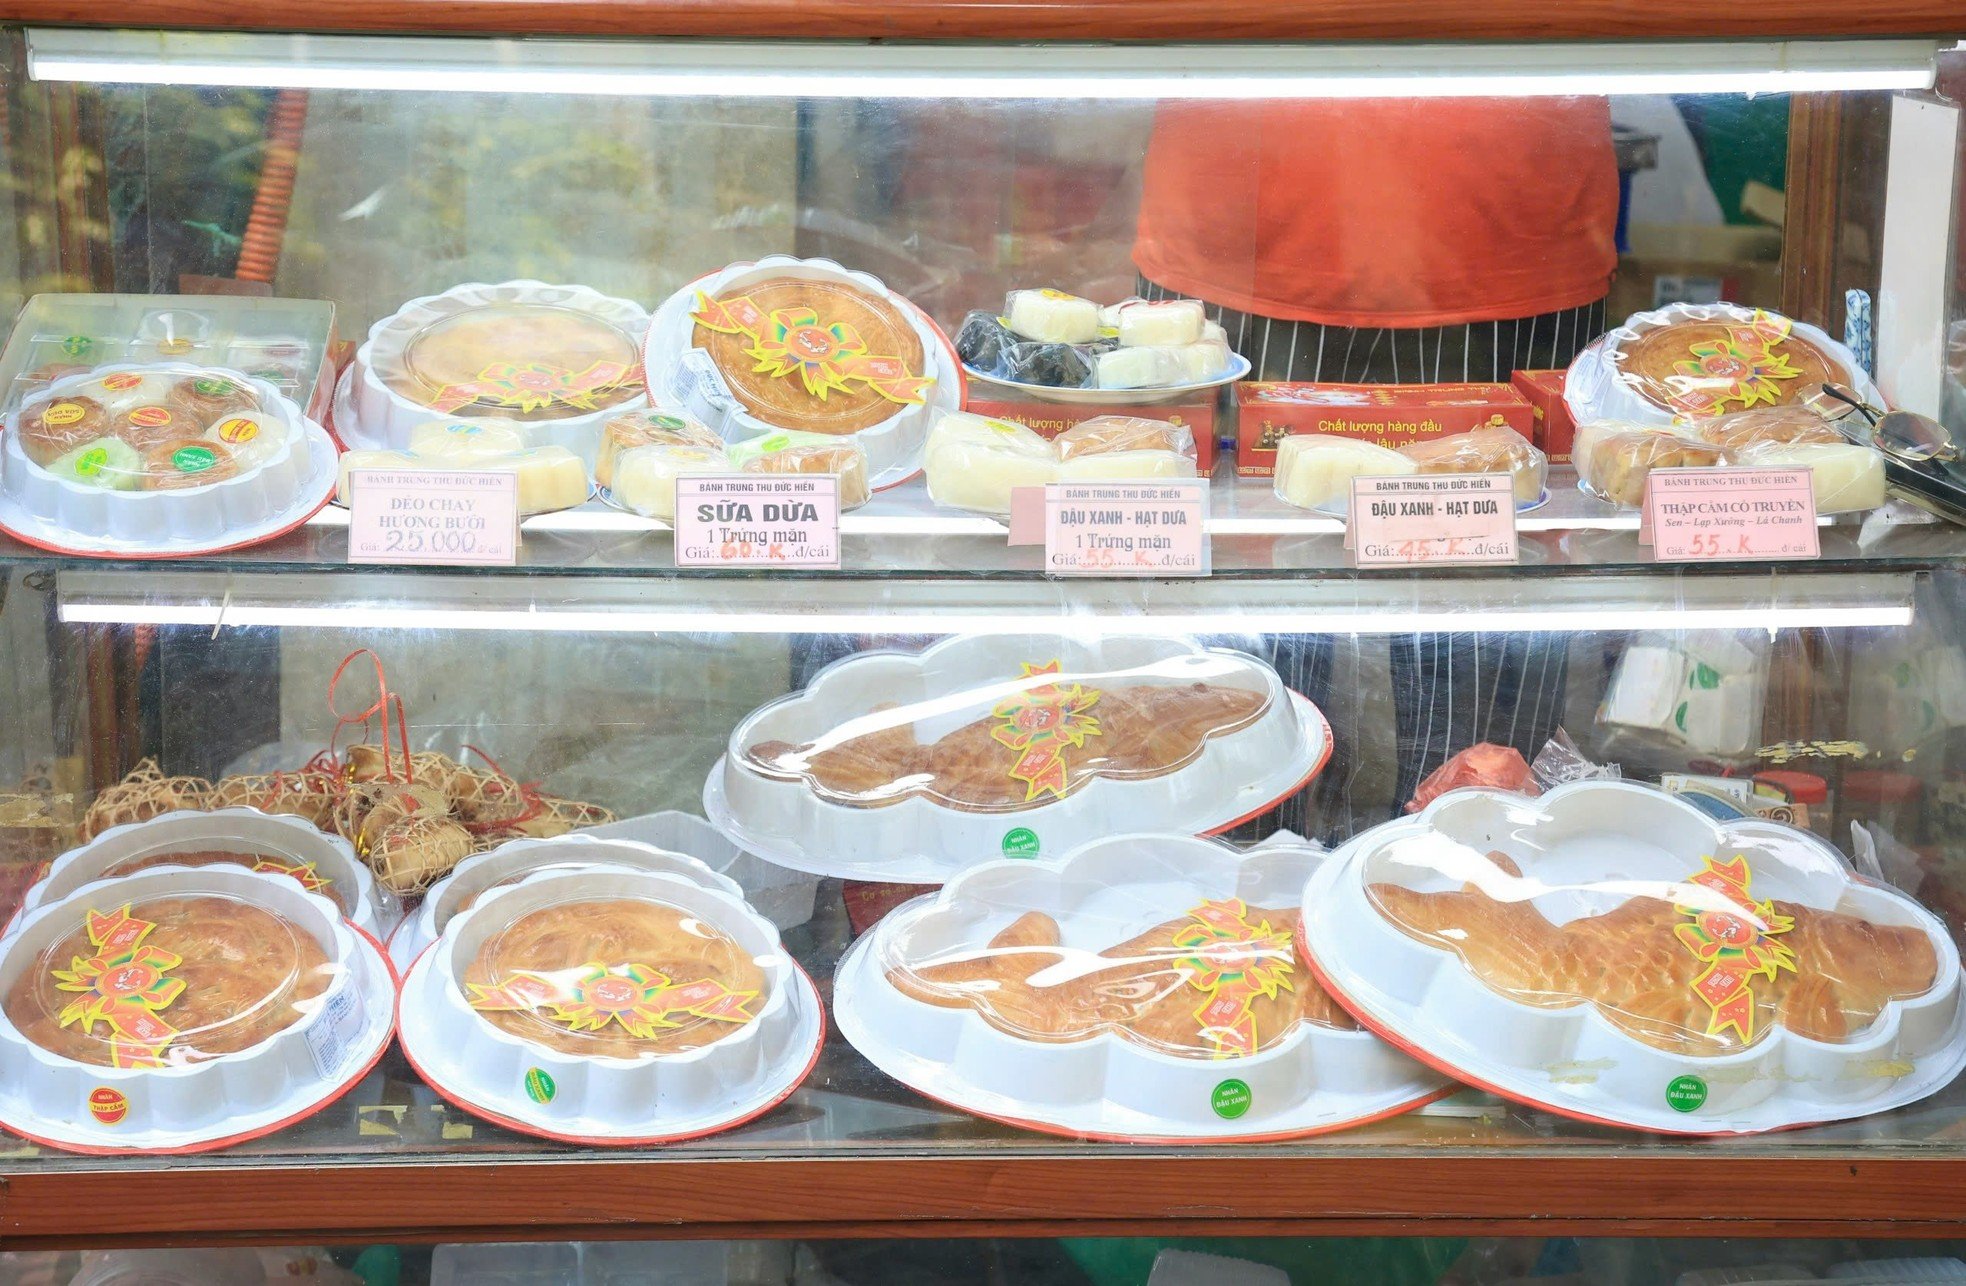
(1712, 977)
(611, 1006)
(274, 845)
(1613, 459)
(149, 461)
(459, 439)
(644, 478)
(1846, 477)
(176, 1010)
(808, 453)
(1495, 449)
(1316, 470)
(1689, 362)
(653, 426)
(907, 767)
(975, 462)
(558, 359)
(806, 345)
(1141, 987)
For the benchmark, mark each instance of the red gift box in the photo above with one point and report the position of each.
(1555, 430)
(1391, 415)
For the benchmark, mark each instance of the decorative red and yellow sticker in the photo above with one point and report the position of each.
(827, 357)
(310, 878)
(1745, 368)
(639, 998)
(1738, 946)
(123, 986)
(530, 386)
(1041, 723)
(1234, 962)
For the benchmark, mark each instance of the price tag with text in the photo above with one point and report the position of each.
(1695, 514)
(1126, 528)
(758, 520)
(441, 517)
(1432, 519)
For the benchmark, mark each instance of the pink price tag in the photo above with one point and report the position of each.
(1432, 518)
(1126, 528)
(1696, 514)
(438, 517)
(758, 520)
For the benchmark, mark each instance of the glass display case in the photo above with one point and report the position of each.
(939, 642)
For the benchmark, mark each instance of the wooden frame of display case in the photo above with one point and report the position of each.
(1616, 1186)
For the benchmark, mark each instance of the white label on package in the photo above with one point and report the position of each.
(1126, 528)
(332, 1038)
(442, 517)
(758, 520)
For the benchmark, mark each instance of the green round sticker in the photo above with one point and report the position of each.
(661, 421)
(193, 459)
(539, 1086)
(92, 462)
(1686, 1094)
(1020, 842)
(213, 386)
(77, 345)
(1231, 1099)
(776, 442)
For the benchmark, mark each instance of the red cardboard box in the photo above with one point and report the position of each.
(1391, 415)
(1555, 430)
(1053, 418)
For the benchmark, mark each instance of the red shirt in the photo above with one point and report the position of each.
(1382, 212)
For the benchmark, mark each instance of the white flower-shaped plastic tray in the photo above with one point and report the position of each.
(81, 1107)
(1594, 387)
(1583, 849)
(602, 1100)
(1312, 1080)
(893, 447)
(371, 414)
(1236, 776)
(256, 504)
(508, 862)
(326, 864)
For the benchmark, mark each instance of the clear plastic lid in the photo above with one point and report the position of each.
(525, 361)
(168, 981)
(813, 353)
(619, 977)
(1704, 360)
(1691, 952)
(1012, 742)
(1219, 979)
(252, 854)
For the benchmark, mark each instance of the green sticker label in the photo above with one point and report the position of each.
(666, 421)
(193, 459)
(1021, 842)
(1231, 1099)
(776, 442)
(1705, 677)
(1686, 1094)
(213, 386)
(92, 462)
(77, 345)
(539, 1086)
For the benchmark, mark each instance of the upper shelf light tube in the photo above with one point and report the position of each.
(862, 69)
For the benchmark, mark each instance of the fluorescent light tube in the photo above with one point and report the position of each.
(865, 69)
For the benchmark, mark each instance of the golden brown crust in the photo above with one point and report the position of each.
(1650, 362)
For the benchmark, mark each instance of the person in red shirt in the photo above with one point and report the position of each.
(1394, 240)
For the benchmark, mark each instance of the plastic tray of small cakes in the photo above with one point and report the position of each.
(553, 360)
(1140, 987)
(512, 862)
(610, 1005)
(159, 460)
(279, 845)
(1612, 953)
(806, 345)
(1706, 385)
(1057, 347)
(909, 767)
(285, 342)
(180, 1009)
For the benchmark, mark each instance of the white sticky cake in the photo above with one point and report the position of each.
(1124, 466)
(467, 439)
(1845, 476)
(1124, 368)
(973, 462)
(253, 437)
(1161, 324)
(353, 460)
(645, 477)
(1315, 470)
(549, 477)
(1052, 316)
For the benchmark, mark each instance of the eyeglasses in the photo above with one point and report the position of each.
(1905, 436)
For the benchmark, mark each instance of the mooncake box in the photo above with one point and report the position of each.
(159, 460)
(516, 860)
(1141, 988)
(182, 1009)
(277, 845)
(909, 767)
(611, 1007)
(805, 344)
(557, 359)
(1612, 953)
